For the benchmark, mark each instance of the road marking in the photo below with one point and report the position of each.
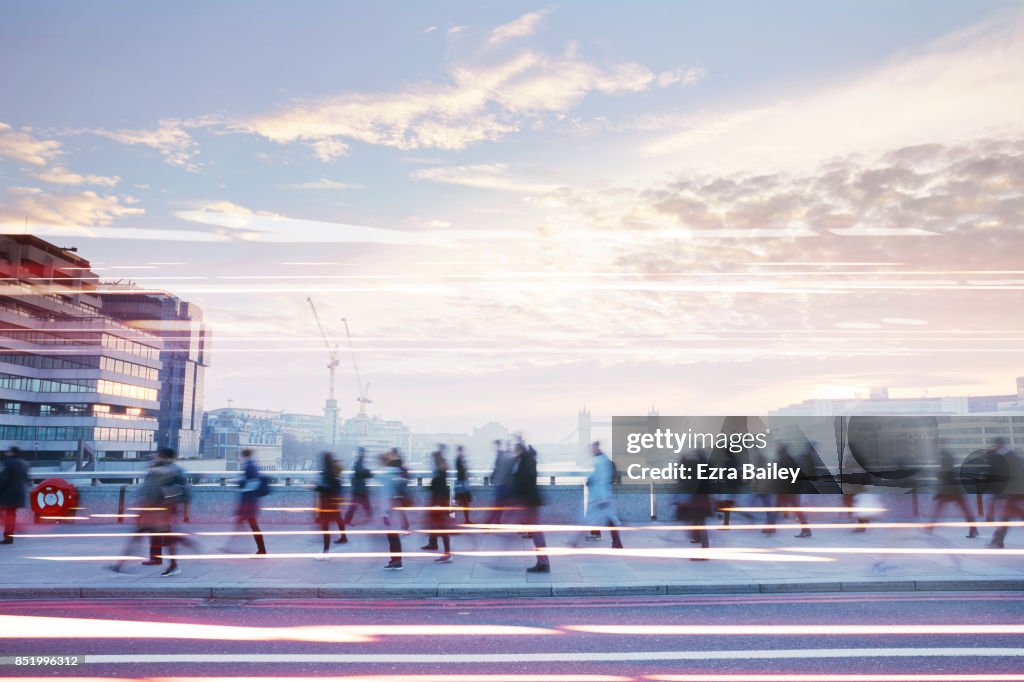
(558, 657)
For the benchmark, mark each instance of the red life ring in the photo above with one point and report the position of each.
(54, 497)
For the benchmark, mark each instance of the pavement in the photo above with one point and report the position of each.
(863, 637)
(70, 562)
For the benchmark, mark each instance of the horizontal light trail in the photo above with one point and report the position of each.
(430, 509)
(954, 677)
(814, 629)
(723, 553)
(246, 556)
(810, 510)
(564, 657)
(905, 550)
(358, 678)
(47, 627)
(69, 536)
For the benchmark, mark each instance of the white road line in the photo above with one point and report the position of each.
(556, 657)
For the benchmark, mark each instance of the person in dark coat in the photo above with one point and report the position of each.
(693, 501)
(14, 485)
(360, 490)
(249, 501)
(950, 491)
(439, 499)
(789, 496)
(328, 505)
(463, 497)
(526, 493)
(1009, 492)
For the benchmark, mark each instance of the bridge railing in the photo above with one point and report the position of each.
(420, 477)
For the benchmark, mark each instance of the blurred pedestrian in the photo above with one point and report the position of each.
(154, 520)
(764, 493)
(525, 492)
(950, 491)
(360, 497)
(601, 509)
(1009, 493)
(328, 504)
(253, 486)
(439, 499)
(693, 501)
(463, 496)
(994, 477)
(790, 499)
(393, 491)
(176, 494)
(14, 485)
(501, 479)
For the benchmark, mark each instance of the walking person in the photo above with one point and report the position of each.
(693, 502)
(995, 476)
(950, 491)
(525, 492)
(501, 479)
(328, 504)
(360, 490)
(463, 497)
(14, 485)
(154, 516)
(790, 498)
(601, 509)
(176, 491)
(439, 499)
(393, 491)
(254, 486)
(764, 494)
(1009, 492)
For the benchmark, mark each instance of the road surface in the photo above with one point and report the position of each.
(890, 636)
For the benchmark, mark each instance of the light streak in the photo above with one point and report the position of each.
(710, 629)
(48, 627)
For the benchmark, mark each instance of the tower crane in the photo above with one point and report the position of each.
(332, 351)
(331, 406)
(364, 389)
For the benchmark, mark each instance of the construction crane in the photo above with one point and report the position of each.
(332, 351)
(364, 389)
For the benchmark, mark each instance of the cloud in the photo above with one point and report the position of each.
(482, 176)
(170, 137)
(264, 226)
(23, 147)
(59, 175)
(523, 27)
(478, 103)
(960, 87)
(429, 29)
(456, 30)
(322, 183)
(681, 77)
(80, 208)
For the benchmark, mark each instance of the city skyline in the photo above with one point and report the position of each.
(530, 209)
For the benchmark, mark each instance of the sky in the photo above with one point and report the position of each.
(522, 209)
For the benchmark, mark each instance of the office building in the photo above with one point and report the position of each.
(75, 383)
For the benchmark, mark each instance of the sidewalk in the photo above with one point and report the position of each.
(654, 562)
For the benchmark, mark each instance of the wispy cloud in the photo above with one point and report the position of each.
(59, 175)
(523, 27)
(482, 176)
(77, 208)
(322, 183)
(22, 146)
(170, 137)
(480, 102)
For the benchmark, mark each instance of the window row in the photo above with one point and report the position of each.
(129, 368)
(129, 346)
(126, 390)
(74, 433)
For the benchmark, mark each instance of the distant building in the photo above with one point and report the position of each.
(879, 403)
(374, 434)
(229, 430)
(185, 357)
(76, 384)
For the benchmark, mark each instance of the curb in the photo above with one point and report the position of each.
(496, 591)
